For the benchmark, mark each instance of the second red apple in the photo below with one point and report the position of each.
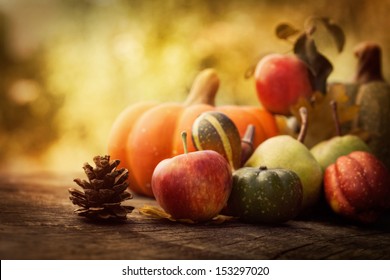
(280, 81)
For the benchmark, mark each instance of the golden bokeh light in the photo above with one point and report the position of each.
(68, 68)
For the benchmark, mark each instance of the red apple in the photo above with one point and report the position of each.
(280, 81)
(193, 185)
(357, 186)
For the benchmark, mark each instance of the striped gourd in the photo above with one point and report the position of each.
(215, 131)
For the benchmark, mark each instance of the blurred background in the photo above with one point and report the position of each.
(69, 67)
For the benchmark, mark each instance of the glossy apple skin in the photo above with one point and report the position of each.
(193, 186)
(357, 186)
(280, 81)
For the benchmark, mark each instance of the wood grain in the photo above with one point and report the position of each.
(37, 222)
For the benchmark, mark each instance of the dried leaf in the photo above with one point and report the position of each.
(336, 32)
(285, 31)
(321, 124)
(154, 212)
(158, 213)
(319, 65)
(250, 71)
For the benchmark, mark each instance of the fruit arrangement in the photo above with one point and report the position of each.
(145, 134)
(247, 161)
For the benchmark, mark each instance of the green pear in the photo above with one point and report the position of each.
(284, 151)
(327, 152)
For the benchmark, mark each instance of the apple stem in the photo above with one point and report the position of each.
(335, 115)
(304, 123)
(184, 141)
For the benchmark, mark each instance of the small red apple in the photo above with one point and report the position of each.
(193, 185)
(280, 81)
(357, 186)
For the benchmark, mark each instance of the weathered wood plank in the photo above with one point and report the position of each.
(37, 222)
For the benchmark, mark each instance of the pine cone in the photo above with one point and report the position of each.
(103, 192)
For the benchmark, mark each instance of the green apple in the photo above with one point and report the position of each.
(284, 151)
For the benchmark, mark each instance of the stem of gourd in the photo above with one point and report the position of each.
(304, 123)
(204, 88)
(249, 134)
(247, 143)
(335, 115)
(369, 66)
(184, 141)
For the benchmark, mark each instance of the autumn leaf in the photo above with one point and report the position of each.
(320, 67)
(285, 30)
(321, 125)
(333, 29)
(305, 47)
(158, 213)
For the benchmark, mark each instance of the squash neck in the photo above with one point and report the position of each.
(204, 88)
(369, 66)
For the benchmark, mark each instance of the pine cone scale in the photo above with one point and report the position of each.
(97, 184)
(76, 193)
(121, 187)
(89, 171)
(79, 201)
(82, 183)
(124, 176)
(126, 196)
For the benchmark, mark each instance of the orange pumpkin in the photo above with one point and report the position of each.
(146, 133)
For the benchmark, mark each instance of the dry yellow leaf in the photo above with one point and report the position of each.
(158, 213)
(321, 124)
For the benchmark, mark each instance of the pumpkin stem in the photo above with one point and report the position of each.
(184, 141)
(333, 105)
(304, 123)
(204, 88)
(369, 66)
(247, 143)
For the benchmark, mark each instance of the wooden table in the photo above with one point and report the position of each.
(37, 222)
